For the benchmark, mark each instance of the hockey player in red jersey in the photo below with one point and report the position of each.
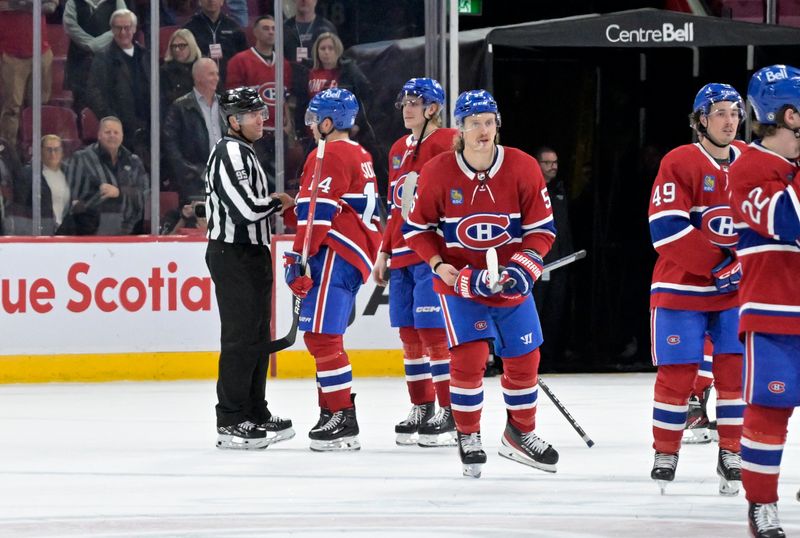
(413, 305)
(695, 279)
(344, 242)
(485, 196)
(765, 198)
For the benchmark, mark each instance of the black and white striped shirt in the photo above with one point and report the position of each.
(237, 198)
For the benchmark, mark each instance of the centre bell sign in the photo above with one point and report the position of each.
(668, 33)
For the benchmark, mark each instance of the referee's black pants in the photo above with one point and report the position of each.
(242, 276)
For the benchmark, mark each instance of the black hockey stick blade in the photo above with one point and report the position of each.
(566, 260)
(287, 341)
(567, 415)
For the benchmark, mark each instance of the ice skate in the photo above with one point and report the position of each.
(528, 449)
(407, 430)
(242, 436)
(439, 430)
(664, 469)
(697, 430)
(764, 522)
(339, 433)
(729, 469)
(277, 429)
(470, 449)
(324, 416)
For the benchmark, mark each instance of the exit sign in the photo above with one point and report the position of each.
(470, 7)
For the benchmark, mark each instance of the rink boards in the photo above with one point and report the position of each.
(143, 308)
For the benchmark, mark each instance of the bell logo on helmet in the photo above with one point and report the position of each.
(780, 74)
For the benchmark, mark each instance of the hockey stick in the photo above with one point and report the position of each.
(288, 340)
(566, 260)
(409, 186)
(494, 269)
(566, 414)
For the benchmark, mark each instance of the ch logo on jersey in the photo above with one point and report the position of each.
(717, 226)
(268, 93)
(776, 387)
(709, 183)
(673, 339)
(483, 230)
(397, 191)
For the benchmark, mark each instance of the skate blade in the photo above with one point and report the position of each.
(337, 445)
(406, 439)
(729, 488)
(282, 435)
(697, 436)
(513, 455)
(472, 470)
(662, 485)
(239, 443)
(439, 439)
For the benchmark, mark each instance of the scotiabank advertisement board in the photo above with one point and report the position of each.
(129, 295)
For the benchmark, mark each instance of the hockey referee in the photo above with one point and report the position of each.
(238, 205)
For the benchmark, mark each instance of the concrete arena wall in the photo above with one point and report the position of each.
(143, 308)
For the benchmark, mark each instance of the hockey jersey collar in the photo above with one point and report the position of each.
(734, 154)
(757, 145)
(472, 173)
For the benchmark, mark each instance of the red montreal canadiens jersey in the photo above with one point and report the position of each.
(690, 223)
(249, 68)
(346, 217)
(765, 198)
(400, 164)
(459, 214)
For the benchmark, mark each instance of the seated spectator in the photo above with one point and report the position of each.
(87, 23)
(190, 220)
(217, 35)
(301, 31)
(176, 73)
(109, 186)
(16, 61)
(55, 188)
(119, 82)
(191, 129)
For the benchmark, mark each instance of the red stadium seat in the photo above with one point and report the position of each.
(164, 33)
(58, 95)
(89, 125)
(743, 10)
(55, 120)
(168, 201)
(789, 13)
(58, 39)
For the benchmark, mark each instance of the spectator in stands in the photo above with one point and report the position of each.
(189, 220)
(16, 61)
(301, 31)
(238, 12)
(119, 82)
(255, 68)
(109, 180)
(176, 73)
(87, 23)
(55, 188)
(217, 35)
(191, 129)
(331, 70)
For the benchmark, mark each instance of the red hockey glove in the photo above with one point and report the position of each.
(472, 282)
(298, 282)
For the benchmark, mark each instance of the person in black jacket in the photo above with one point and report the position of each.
(175, 75)
(217, 35)
(119, 82)
(301, 31)
(189, 135)
(56, 197)
(551, 292)
(87, 25)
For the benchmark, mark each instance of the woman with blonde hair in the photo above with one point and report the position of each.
(176, 73)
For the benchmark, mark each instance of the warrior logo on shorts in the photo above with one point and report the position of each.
(717, 226)
(673, 339)
(483, 231)
(776, 387)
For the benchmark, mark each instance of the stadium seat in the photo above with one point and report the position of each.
(58, 95)
(789, 13)
(55, 120)
(89, 125)
(58, 39)
(743, 10)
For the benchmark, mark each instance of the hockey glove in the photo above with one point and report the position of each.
(472, 282)
(298, 282)
(523, 269)
(728, 273)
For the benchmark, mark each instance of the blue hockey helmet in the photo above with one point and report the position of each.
(338, 104)
(770, 89)
(716, 92)
(427, 88)
(474, 102)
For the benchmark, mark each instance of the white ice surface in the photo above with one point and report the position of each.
(138, 459)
